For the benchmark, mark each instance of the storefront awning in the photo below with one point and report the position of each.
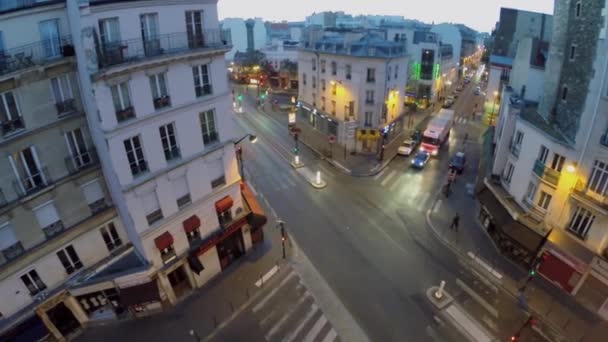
(257, 218)
(164, 240)
(224, 204)
(191, 223)
(559, 239)
(504, 222)
(139, 294)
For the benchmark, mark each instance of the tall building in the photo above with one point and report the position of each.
(245, 34)
(545, 204)
(351, 86)
(58, 223)
(463, 40)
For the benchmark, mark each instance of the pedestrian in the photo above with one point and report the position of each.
(455, 222)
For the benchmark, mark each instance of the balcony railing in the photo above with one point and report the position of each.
(12, 125)
(98, 206)
(13, 251)
(53, 229)
(125, 114)
(75, 163)
(515, 149)
(162, 102)
(38, 53)
(119, 52)
(604, 139)
(172, 153)
(546, 173)
(581, 191)
(66, 106)
(35, 182)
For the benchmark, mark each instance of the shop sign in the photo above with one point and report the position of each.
(292, 118)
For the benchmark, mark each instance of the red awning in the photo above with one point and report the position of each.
(223, 204)
(191, 223)
(164, 240)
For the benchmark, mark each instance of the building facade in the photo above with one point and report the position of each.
(351, 86)
(545, 204)
(245, 34)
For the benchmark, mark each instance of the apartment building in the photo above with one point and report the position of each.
(545, 204)
(352, 85)
(57, 221)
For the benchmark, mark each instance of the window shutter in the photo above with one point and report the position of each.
(46, 215)
(7, 236)
(180, 187)
(150, 203)
(92, 192)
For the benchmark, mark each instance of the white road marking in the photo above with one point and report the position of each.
(388, 178)
(274, 291)
(376, 177)
(394, 186)
(313, 309)
(331, 336)
(286, 315)
(267, 276)
(422, 201)
(437, 206)
(310, 337)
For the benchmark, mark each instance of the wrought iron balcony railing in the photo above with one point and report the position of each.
(32, 183)
(38, 53)
(546, 173)
(53, 229)
(12, 125)
(66, 106)
(13, 251)
(85, 159)
(119, 52)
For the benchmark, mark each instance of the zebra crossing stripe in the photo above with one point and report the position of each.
(283, 319)
(388, 178)
(274, 291)
(331, 336)
(313, 309)
(310, 337)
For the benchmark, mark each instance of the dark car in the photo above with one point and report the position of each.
(420, 159)
(458, 162)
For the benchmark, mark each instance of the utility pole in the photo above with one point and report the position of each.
(283, 236)
(529, 322)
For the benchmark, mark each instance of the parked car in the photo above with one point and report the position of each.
(407, 147)
(458, 162)
(420, 159)
(477, 90)
(449, 101)
(467, 79)
(417, 137)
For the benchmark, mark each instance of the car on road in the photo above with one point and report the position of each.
(459, 88)
(467, 79)
(420, 159)
(407, 147)
(449, 101)
(477, 90)
(458, 162)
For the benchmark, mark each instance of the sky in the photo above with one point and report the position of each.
(481, 15)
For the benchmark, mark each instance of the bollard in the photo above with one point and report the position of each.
(296, 160)
(318, 179)
(439, 293)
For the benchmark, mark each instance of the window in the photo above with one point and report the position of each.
(598, 181)
(110, 236)
(77, 146)
(314, 99)
(351, 108)
(581, 221)
(578, 8)
(572, 52)
(10, 117)
(149, 33)
(32, 281)
(160, 96)
(558, 162)
(122, 101)
(135, 156)
(49, 34)
(168, 254)
(333, 107)
(48, 219)
(334, 88)
(348, 69)
(543, 153)
(368, 119)
(544, 200)
(371, 75)
(194, 28)
(519, 137)
(215, 170)
(508, 174)
(69, 259)
(109, 32)
(531, 191)
(93, 194)
(62, 92)
(152, 208)
(219, 181)
(323, 103)
(322, 84)
(314, 64)
(202, 85)
(389, 73)
(194, 236)
(396, 71)
(303, 78)
(169, 141)
(323, 66)
(334, 68)
(1, 43)
(182, 193)
(314, 82)
(564, 92)
(28, 170)
(369, 96)
(210, 134)
(10, 247)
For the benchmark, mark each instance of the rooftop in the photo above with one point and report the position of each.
(355, 42)
(530, 114)
(17, 5)
(501, 60)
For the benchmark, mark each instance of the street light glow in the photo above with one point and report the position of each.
(570, 168)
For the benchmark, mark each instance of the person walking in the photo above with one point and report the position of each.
(455, 222)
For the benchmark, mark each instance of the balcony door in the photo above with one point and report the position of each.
(27, 169)
(109, 34)
(78, 148)
(149, 33)
(49, 32)
(194, 28)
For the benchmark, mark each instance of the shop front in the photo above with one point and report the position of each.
(62, 315)
(318, 120)
(141, 299)
(593, 292)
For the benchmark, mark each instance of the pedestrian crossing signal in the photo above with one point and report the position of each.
(240, 97)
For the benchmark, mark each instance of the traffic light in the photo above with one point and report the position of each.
(296, 150)
(240, 97)
(262, 96)
(532, 272)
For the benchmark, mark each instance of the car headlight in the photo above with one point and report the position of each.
(434, 152)
(413, 162)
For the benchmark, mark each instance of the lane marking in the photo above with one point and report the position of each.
(376, 177)
(313, 310)
(422, 202)
(331, 336)
(394, 186)
(274, 291)
(388, 178)
(312, 334)
(437, 206)
(286, 315)
(267, 276)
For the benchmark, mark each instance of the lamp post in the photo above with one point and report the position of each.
(239, 152)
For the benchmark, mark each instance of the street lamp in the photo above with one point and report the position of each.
(239, 152)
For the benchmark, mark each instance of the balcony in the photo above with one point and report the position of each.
(84, 160)
(98, 206)
(162, 102)
(30, 184)
(125, 114)
(582, 193)
(66, 106)
(604, 140)
(53, 229)
(546, 173)
(172, 153)
(34, 54)
(119, 52)
(12, 125)
(515, 149)
(13, 251)
(204, 90)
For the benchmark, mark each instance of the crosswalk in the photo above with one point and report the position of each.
(288, 313)
(404, 188)
(461, 120)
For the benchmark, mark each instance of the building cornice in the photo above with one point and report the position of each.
(29, 132)
(113, 5)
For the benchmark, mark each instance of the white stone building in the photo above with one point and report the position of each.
(351, 86)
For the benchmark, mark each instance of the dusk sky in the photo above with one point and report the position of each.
(478, 14)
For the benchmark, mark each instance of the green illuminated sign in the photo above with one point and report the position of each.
(416, 69)
(436, 69)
